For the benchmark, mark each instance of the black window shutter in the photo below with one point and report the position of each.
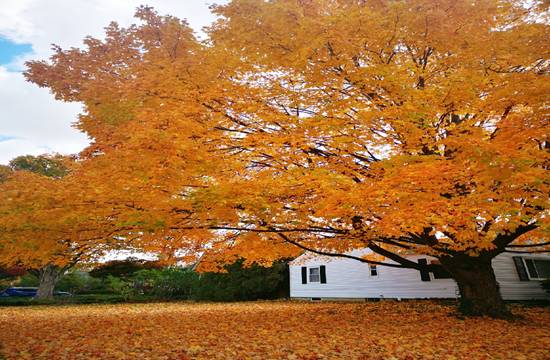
(304, 275)
(520, 268)
(424, 274)
(323, 272)
(531, 268)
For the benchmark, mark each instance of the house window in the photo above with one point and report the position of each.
(314, 275)
(373, 270)
(537, 269)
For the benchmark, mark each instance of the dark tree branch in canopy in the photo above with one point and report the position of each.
(346, 256)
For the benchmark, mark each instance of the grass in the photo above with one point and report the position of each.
(269, 330)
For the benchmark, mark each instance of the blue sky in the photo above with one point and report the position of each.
(9, 50)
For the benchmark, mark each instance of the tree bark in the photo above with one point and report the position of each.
(479, 290)
(49, 276)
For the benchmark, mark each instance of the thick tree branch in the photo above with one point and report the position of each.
(528, 252)
(325, 253)
(398, 259)
(502, 240)
(528, 245)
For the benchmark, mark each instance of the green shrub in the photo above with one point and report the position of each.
(123, 268)
(238, 283)
(29, 280)
(79, 282)
(244, 283)
(118, 286)
(76, 299)
(168, 283)
(95, 299)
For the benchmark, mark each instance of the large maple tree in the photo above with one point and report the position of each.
(400, 126)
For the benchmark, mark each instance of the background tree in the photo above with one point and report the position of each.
(33, 174)
(404, 127)
(53, 166)
(47, 223)
(123, 268)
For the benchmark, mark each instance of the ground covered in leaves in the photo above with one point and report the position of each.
(269, 330)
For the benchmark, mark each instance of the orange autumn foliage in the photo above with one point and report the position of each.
(53, 220)
(39, 215)
(357, 147)
(264, 330)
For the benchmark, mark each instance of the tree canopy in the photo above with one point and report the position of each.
(328, 125)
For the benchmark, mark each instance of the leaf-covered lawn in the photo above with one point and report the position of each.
(268, 330)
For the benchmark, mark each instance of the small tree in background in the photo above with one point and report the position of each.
(25, 180)
(46, 223)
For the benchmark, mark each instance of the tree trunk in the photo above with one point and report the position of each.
(479, 290)
(49, 275)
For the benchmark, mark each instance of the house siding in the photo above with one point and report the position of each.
(511, 287)
(348, 279)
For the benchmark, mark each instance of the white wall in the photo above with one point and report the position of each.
(347, 278)
(511, 287)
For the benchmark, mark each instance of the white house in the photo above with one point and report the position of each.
(321, 277)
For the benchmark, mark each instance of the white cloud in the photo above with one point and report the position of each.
(13, 25)
(10, 149)
(33, 122)
(67, 22)
(31, 115)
